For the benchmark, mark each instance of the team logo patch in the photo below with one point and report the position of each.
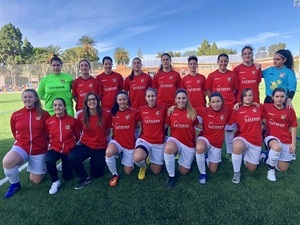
(283, 117)
(253, 72)
(281, 75)
(38, 118)
(198, 81)
(143, 80)
(114, 80)
(127, 117)
(229, 78)
(171, 77)
(157, 112)
(90, 85)
(222, 117)
(62, 81)
(68, 127)
(254, 110)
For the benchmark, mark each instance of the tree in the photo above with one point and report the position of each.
(72, 55)
(189, 53)
(261, 52)
(275, 47)
(139, 54)
(121, 56)
(10, 44)
(213, 49)
(88, 48)
(51, 50)
(159, 54)
(202, 50)
(27, 51)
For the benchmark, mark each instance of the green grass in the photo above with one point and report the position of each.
(254, 201)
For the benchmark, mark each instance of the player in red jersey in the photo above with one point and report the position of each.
(28, 128)
(247, 141)
(124, 121)
(210, 140)
(94, 123)
(136, 84)
(63, 132)
(166, 81)
(84, 84)
(194, 84)
(152, 138)
(110, 83)
(248, 76)
(281, 122)
(182, 123)
(224, 81)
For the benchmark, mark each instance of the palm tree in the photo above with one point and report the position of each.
(53, 49)
(88, 47)
(121, 56)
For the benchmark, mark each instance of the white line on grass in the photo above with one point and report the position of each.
(4, 180)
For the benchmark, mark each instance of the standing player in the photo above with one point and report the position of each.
(94, 124)
(84, 84)
(63, 133)
(110, 83)
(194, 84)
(210, 141)
(248, 139)
(151, 141)
(248, 76)
(28, 128)
(124, 121)
(224, 81)
(182, 138)
(281, 122)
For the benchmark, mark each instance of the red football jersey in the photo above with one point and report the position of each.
(225, 84)
(123, 124)
(110, 85)
(249, 121)
(248, 77)
(195, 87)
(279, 121)
(214, 124)
(181, 127)
(95, 136)
(137, 88)
(166, 85)
(81, 87)
(153, 123)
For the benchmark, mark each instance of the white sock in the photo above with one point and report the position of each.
(12, 174)
(170, 164)
(228, 140)
(273, 158)
(236, 162)
(200, 159)
(111, 164)
(141, 164)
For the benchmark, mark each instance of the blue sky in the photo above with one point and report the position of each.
(154, 25)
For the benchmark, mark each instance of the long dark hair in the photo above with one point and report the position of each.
(161, 66)
(132, 72)
(86, 110)
(115, 107)
(287, 55)
(56, 58)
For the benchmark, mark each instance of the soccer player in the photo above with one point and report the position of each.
(224, 81)
(110, 83)
(94, 123)
(166, 81)
(182, 138)
(63, 132)
(247, 141)
(194, 84)
(281, 122)
(248, 76)
(281, 75)
(151, 140)
(124, 121)
(28, 128)
(56, 85)
(210, 140)
(84, 84)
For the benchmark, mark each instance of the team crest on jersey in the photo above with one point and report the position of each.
(283, 117)
(62, 81)
(222, 117)
(281, 75)
(68, 127)
(90, 85)
(253, 72)
(143, 80)
(38, 118)
(171, 77)
(127, 117)
(157, 113)
(114, 80)
(198, 81)
(254, 110)
(229, 78)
